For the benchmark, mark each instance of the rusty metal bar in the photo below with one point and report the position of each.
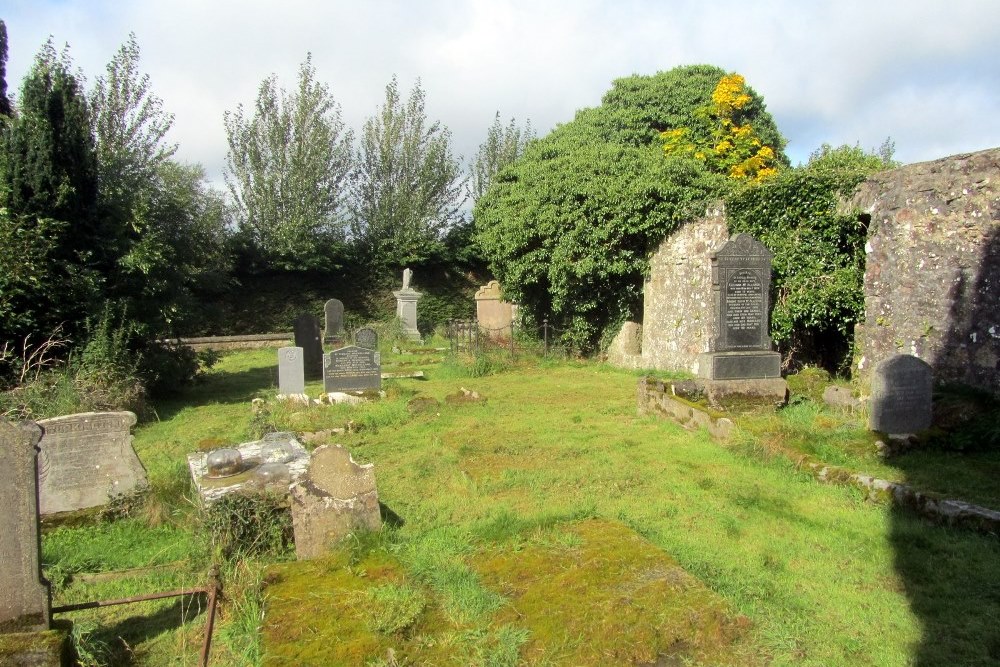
(213, 595)
(137, 598)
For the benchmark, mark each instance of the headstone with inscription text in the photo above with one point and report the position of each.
(901, 400)
(333, 311)
(85, 458)
(367, 338)
(24, 594)
(741, 283)
(307, 337)
(291, 371)
(352, 368)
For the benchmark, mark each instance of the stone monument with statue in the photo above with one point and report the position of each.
(406, 306)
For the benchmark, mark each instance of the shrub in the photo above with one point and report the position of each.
(246, 525)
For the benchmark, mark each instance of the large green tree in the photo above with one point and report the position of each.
(569, 226)
(407, 189)
(288, 163)
(5, 107)
(503, 145)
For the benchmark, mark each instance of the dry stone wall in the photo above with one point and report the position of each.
(932, 276)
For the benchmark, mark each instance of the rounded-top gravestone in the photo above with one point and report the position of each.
(902, 388)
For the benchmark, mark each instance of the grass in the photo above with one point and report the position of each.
(548, 524)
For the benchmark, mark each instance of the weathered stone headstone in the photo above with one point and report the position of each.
(352, 368)
(84, 459)
(333, 312)
(494, 315)
(901, 399)
(336, 497)
(24, 594)
(291, 371)
(406, 306)
(366, 337)
(308, 338)
(741, 282)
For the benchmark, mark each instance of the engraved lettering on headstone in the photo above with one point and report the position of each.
(352, 369)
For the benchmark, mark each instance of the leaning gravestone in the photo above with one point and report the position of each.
(901, 399)
(741, 282)
(336, 497)
(352, 368)
(308, 338)
(333, 311)
(291, 371)
(367, 338)
(85, 458)
(24, 594)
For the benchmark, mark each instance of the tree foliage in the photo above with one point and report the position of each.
(502, 147)
(569, 226)
(819, 256)
(407, 189)
(287, 170)
(5, 107)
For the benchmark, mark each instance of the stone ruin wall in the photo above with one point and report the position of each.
(932, 282)
(932, 275)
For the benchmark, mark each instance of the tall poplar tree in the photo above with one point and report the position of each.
(503, 145)
(5, 108)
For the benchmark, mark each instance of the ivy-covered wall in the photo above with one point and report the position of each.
(932, 276)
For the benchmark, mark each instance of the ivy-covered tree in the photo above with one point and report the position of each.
(569, 226)
(503, 145)
(407, 189)
(287, 170)
(5, 107)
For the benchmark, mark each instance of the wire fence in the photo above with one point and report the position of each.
(469, 336)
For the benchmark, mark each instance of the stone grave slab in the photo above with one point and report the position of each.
(367, 338)
(307, 337)
(280, 448)
(24, 594)
(85, 458)
(901, 399)
(352, 368)
(336, 497)
(333, 311)
(291, 371)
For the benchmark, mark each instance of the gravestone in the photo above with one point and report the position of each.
(308, 338)
(24, 594)
(336, 497)
(367, 338)
(494, 315)
(901, 399)
(406, 306)
(84, 458)
(291, 371)
(352, 368)
(333, 312)
(741, 283)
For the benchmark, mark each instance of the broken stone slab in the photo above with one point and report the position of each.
(402, 375)
(86, 458)
(274, 448)
(335, 498)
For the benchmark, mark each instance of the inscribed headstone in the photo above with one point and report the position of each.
(352, 368)
(741, 283)
(291, 371)
(406, 306)
(366, 337)
(333, 312)
(85, 458)
(24, 594)
(307, 337)
(336, 498)
(901, 399)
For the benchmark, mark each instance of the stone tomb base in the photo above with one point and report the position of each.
(734, 394)
(749, 365)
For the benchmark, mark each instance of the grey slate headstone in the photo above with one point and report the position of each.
(291, 371)
(85, 458)
(24, 594)
(366, 337)
(333, 312)
(352, 368)
(901, 402)
(307, 337)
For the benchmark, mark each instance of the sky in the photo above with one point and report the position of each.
(923, 73)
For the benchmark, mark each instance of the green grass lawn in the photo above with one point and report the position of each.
(526, 527)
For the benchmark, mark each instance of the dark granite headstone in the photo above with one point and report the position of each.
(333, 311)
(366, 337)
(741, 282)
(86, 458)
(24, 594)
(307, 337)
(352, 368)
(901, 395)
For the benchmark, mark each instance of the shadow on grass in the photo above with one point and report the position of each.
(134, 630)
(221, 387)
